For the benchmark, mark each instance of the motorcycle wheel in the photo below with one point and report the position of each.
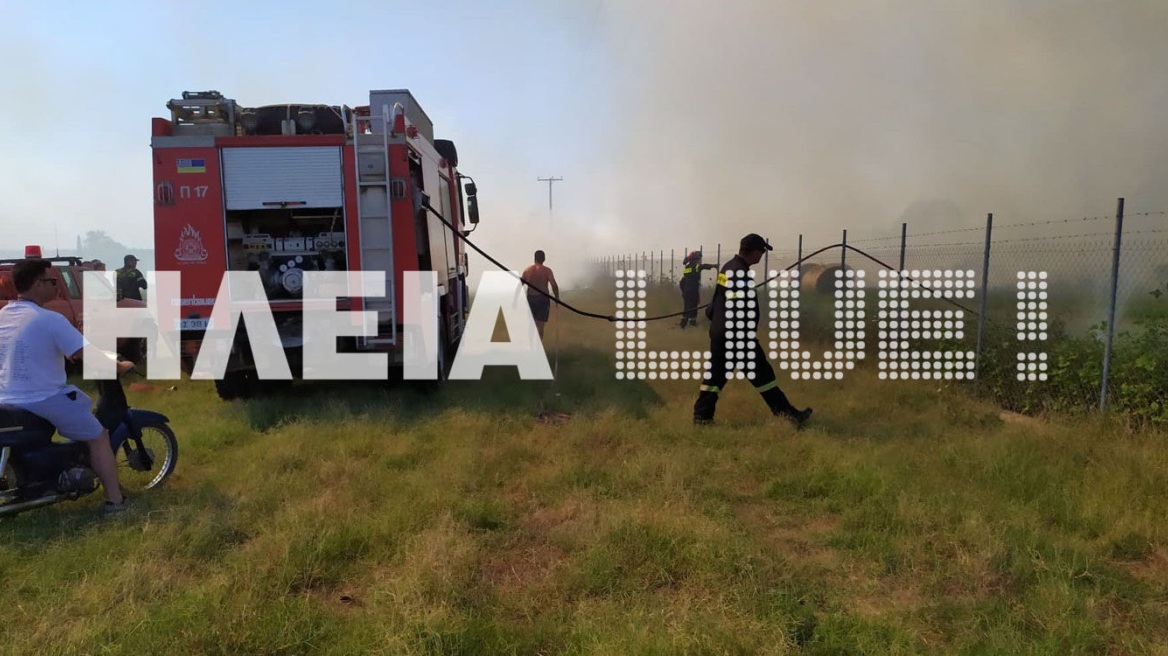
(162, 447)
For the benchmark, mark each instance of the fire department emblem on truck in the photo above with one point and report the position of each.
(190, 246)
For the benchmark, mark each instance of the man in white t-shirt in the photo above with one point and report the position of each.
(34, 343)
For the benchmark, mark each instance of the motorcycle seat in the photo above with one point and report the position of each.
(19, 428)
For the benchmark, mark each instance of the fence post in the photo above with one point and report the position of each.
(981, 316)
(1111, 312)
(903, 241)
(671, 270)
(719, 260)
(799, 262)
(844, 251)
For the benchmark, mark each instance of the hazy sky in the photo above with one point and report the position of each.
(672, 122)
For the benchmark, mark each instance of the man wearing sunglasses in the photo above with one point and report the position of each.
(34, 343)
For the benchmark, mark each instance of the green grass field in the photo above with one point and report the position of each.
(908, 518)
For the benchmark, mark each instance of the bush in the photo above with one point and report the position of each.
(1138, 380)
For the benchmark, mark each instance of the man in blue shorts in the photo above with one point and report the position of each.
(34, 343)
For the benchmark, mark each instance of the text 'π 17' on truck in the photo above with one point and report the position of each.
(291, 188)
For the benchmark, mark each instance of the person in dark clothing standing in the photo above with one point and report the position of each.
(130, 280)
(691, 282)
(734, 343)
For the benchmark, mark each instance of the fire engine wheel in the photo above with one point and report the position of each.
(443, 356)
(449, 353)
(448, 349)
(239, 384)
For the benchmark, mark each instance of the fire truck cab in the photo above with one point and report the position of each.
(290, 188)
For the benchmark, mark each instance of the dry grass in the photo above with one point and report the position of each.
(907, 519)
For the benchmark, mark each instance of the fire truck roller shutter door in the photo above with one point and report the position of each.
(254, 178)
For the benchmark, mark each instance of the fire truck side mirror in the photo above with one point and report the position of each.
(472, 204)
(471, 189)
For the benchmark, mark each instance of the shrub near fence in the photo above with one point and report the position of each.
(1137, 381)
(1092, 265)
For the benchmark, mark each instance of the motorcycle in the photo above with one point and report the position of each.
(37, 471)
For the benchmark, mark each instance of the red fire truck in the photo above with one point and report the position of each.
(289, 188)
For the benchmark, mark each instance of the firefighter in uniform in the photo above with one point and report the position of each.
(691, 281)
(130, 280)
(734, 344)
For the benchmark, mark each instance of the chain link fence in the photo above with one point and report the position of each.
(1063, 315)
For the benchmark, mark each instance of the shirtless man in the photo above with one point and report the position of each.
(539, 277)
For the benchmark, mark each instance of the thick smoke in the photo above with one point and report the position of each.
(801, 117)
(674, 123)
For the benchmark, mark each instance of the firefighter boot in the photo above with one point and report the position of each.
(704, 407)
(781, 407)
(684, 323)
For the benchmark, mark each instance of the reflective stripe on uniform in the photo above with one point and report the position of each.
(721, 279)
(740, 288)
(771, 385)
(687, 270)
(710, 388)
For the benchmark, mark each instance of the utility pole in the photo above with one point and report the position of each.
(549, 181)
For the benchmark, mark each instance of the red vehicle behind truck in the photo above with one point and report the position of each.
(289, 188)
(69, 273)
